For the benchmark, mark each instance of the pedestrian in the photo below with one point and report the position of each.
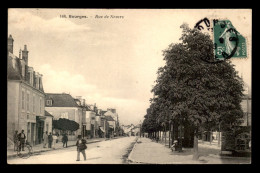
(15, 140)
(45, 139)
(50, 140)
(57, 140)
(54, 137)
(81, 147)
(21, 139)
(65, 139)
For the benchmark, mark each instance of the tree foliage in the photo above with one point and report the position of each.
(65, 124)
(187, 87)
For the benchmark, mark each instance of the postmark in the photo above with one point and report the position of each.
(228, 42)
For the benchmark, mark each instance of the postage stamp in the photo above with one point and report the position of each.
(228, 42)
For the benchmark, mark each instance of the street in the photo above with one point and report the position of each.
(105, 152)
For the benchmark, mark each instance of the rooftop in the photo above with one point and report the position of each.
(61, 100)
(48, 114)
(109, 118)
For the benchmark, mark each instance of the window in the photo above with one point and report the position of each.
(28, 99)
(49, 102)
(64, 115)
(40, 105)
(33, 103)
(22, 99)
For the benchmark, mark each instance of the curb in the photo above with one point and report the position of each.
(40, 151)
(129, 159)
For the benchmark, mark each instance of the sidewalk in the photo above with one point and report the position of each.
(39, 148)
(148, 152)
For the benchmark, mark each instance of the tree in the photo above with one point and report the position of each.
(65, 124)
(190, 88)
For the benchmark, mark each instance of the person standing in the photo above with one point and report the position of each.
(15, 140)
(81, 147)
(50, 140)
(21, 139)
(65, 139)
(57, 140)
(54, 137)
(45, 139)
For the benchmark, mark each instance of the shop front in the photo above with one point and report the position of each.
(39, 129)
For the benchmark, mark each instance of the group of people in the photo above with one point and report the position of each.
(19, 140)
(52, 139)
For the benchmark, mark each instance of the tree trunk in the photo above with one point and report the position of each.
(195, 148)
(172, 134)
(210, 137)
(219, 134)
(165, 134)
(169, 135)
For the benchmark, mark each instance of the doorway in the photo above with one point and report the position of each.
(32, 133)
(40, 128)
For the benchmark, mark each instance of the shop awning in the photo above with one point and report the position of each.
(102, 129)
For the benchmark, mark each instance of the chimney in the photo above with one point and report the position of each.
(80, 99)
(20, 53)
(84, 102)
(30, 70)
(40, 82)
(37, 77)
(25, 54)
(10, 44)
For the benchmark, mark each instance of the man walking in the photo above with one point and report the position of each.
(50, 140)
(54, 137)
(45, 139)
(15, 140)
(65, 139)
(81, 147)
(21, 139)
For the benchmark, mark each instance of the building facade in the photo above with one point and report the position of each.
(64, 106)
(25, 97)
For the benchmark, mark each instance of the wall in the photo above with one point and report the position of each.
(89, 116)
(113, 115)
(112, 123)
(31, 109)
(23, 118)
(48, 127)
(246, 107)
(12, 108)
(74, 114)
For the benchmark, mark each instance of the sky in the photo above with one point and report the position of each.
(111, 61)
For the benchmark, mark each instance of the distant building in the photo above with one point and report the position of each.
(64, 106)
(128, 130)
(112, 125)
(112, 112)
(238, 140)
(90, 123)
(25, 97)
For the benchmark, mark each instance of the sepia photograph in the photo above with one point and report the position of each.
(129, 86)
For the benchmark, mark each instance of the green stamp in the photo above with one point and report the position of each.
(228, 41)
